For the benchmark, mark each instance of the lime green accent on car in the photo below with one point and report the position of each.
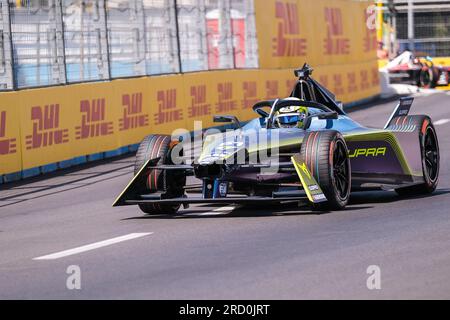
(137, 179)
(368, 152)
(387, 137)
(310, 185)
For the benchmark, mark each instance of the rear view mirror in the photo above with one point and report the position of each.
(227, 119)
(222, 119)
(328, 115)
(322, 116)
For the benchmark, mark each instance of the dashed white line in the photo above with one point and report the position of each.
(441, 122)
(92, 246)
(219, 211)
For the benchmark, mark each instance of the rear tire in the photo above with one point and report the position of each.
(426, 78)
(154, 146)
(429, 147)
(326, 155)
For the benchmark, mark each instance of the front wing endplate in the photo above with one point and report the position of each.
(312, 188)
(131, 189)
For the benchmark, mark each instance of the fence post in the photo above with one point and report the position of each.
(60, 56)
(177, 27)
(251, 43)
(226, 52)
(104, 40)
(7, 77)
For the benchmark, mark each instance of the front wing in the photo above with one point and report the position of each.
(132, 194)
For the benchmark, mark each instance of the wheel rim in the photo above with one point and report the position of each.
(341, 170)
(431, 155)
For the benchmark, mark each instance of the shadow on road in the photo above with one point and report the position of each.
(64, 180)
(245, 212)
(388, 196)
(358, 201)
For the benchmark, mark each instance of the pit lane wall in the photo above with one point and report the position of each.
(45, 129)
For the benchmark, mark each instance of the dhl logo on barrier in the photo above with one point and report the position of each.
(199, 106)
(93, 123)
(271, 89)
(364, 83)
(321, 32)
(288, 41)
(7, 146)
(335, 43)
(338, 84)
(375, 76)
(132, 116)
(250, 89)
(225, 102)
(167, 107)
(352, 84)
(370, 34)
(46, 128)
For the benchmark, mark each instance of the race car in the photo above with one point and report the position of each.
(417, 70)
(307, 151)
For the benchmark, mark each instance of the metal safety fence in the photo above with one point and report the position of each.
(430, 26)
(51, 42)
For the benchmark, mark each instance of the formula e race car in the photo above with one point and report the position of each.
(303, 149)
(417, 70)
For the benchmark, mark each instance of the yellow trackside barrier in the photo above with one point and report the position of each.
(443, 61)
(10, 139)
(50, 125)
(60, 123)
(64, 122)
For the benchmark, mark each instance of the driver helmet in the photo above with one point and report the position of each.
(291, 116)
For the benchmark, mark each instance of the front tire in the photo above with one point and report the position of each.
(158, 146)
(326, 155)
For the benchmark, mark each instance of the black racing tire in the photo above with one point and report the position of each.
(326, 155)
(429, 147)
(426, 78)
(154, 146)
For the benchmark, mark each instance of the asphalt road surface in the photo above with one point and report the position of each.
(222, 252)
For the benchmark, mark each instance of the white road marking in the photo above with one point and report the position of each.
(440, 122)
(92, 246)
(219, 211)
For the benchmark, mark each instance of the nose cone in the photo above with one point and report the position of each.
(219, 147)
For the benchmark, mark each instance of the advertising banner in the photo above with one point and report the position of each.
(320, 32)
(60, 123)
(10, 140)
(49, 125)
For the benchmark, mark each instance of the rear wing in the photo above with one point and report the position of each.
(402, 109)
